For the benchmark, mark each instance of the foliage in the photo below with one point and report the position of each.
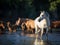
(26, 8)
(53, 6)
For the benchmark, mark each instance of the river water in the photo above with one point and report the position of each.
(20, 38)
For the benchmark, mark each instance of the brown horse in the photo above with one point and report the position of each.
(12, 27)
(29, 25)
(9, 26)
(55, 24)
(18, 22)
(2, 27)
(22, 22)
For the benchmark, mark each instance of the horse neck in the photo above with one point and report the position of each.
(37, 18)
(47, 20)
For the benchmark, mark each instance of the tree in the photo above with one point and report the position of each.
(53, 8)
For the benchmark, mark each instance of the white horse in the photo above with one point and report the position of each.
(43, 23)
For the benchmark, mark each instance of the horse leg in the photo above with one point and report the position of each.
(41, 33)
(23, 26)
(47, 34)
(28, 29)
(35, 28)
(9, 28)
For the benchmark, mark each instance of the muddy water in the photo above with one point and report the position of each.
(20, 38)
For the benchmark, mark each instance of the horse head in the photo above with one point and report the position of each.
(44, 14)
(18, 21)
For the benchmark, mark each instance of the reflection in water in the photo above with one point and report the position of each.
(38, 41)
(19, 38)
(42, 41)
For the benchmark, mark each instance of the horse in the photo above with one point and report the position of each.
(17, 22)
(22, 20)
(28, 25)
(42, 22)
(9, 26)
(12, 27)
(55, 24)
(2, 27)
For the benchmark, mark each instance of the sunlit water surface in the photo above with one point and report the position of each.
(19, 38)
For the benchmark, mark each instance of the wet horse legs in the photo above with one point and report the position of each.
(46, 33)
(41, 33)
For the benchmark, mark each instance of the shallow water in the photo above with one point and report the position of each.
(19, 38)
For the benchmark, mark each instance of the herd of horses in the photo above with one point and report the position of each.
(24, 23)
(30, 25)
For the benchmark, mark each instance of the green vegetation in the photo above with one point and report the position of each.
(29, 8)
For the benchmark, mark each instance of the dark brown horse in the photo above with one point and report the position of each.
(55, 24)
(9, 26)
(2, 27)
(13, 27)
